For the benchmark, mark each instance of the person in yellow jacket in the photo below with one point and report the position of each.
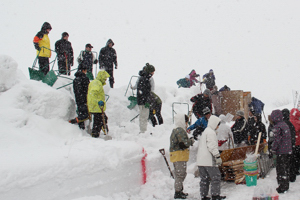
(179, 153)
(96, 101)
(41, 43)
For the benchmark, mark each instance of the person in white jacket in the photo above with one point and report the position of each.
(224, 135)
(208, 159)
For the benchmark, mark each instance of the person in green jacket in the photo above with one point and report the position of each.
(96, 101)
(179, 153)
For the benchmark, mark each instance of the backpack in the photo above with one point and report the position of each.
(256, 105)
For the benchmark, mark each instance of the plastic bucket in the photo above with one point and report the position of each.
(251, 180)
(250, 166)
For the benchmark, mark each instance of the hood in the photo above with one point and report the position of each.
(142, 73)
(46, 26)
(110, 41)
(295, 114)
(180, 120)
(222, 117)
(102, 76)
(213, 122)
(79, 73)
(276, 116)
(286, 114)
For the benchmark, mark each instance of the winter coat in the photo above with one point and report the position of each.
(208, 144)
(108, 56)
(86, 58)
(216, 101)
(239, 130)
(183, 83)
(155, 101)
(282, 136)
(179, 141)
(152, 83)
(41, 39)
(80, 87)
(209, 80)
(200, 102)
(96, 92)
(224, 135)
(64, 50)
(255, 129)
(143, 88)
(193, 79)
(286, 119)
(295, 119)
(201, 122)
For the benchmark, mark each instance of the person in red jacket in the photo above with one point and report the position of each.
(295, 119)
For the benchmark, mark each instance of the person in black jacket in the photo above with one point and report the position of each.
(64, 50)
(255, 129)
(86, 58)
(155, 109)
(107, 59)
(80, 87)
(209, 79)
(143, 95)
(239, 129)
(293, 169)
(201, 101)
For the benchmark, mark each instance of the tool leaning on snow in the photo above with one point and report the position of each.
(162, 151)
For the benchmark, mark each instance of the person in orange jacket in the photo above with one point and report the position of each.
(41, 43)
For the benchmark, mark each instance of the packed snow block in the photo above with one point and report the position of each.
(235, 100)
(8, 72)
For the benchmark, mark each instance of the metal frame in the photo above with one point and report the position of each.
(130, 84)
(173, 111)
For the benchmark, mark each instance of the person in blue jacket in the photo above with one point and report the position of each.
(201, 124)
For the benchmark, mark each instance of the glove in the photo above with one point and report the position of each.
(116, 67)
(96, 61)
(195, 136)
(265, 141)
(101, 103)
(192, 140)
(147, 105)
(188, 130)
(218, 160)
(154, 112)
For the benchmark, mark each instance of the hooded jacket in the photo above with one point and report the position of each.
(41, 39)
(80, 87)
(286, 119)
(208, 144)
(295, 119)
(143, 88)
(239, 130)
(200, 102)
(108, 56)
(179, 141)
(255, 129)
(224, 135)
(192, 78)
(96, 92)
(282, 136)
(64, 51)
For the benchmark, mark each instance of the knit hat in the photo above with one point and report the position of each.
(149, 68)
(64, 34)
(211, 70)
(240, 113)
(206, 111)
(207, 92)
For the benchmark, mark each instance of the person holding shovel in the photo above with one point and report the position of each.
(179, 153)
(96, 103)
(65, 58)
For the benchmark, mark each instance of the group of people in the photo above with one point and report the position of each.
(65, 57)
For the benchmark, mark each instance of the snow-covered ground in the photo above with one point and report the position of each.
(251, 45)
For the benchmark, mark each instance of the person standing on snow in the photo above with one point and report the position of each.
(209, 79)
(201, 101)
(282, 147)
(107, 59)
(41, 43)
(208, 160)
(64, 50)
(155, 109)
(201, 124)
(80, 87)
(295, 119)
(286, 119)
(87, 58)
(225, 135)
(255, 129)
(96, 102)
(216, 100)
(179, 153)
(239, 129)
(143, 95)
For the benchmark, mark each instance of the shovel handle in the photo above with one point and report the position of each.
(162, 151)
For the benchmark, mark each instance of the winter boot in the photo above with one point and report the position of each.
(218, 197)
(74, 121)
(205, 198)
(280, 190)
(179, 195)
(95, 135)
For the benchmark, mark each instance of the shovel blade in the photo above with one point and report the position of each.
(107, 137)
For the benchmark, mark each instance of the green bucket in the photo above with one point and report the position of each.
(250, 166)
(50, 78)
(251, 180)
(35, 74)
(133, 102)
(90, 75)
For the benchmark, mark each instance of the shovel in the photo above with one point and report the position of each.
(104, 128)
(162, 151)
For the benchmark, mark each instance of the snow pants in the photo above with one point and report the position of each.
(210, 175)
(143, 118)
(283, 171)
(110, 71)
(44, 64)
(63, 68)
(157, 111)
(179, 175)
(98, 123)
(297, 159)
(83, 115)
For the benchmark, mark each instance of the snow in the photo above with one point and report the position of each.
(250, 45)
